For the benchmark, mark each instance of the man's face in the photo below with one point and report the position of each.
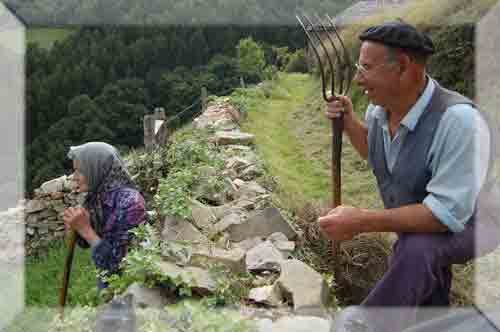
(377, 77)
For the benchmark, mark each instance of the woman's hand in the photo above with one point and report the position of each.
(78, 219)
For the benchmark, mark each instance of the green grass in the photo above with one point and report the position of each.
(45, 37)
(43, 278)
(293, 137)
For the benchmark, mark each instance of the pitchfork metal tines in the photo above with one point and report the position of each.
(341, 69)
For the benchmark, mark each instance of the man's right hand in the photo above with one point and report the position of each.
(341, 106)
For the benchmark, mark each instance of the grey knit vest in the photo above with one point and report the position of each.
(410, 175)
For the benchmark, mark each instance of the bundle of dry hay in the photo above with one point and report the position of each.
(363, 260)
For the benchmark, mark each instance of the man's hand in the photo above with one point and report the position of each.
(342, 223)
(341, 106)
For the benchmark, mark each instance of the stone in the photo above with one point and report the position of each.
(56, 195)
(58, 205)
(245, 203)
(231, 219)
(264, 257)
(281, 242)
(43, 229)
(251, 172)
(238, 147)
(249, 243)
(203, 216)
(144, 297)
(268, 295)
(46, 214)
(209, 189)
(70, 184)
(277, 237)
(233, 137)
(35, 205)
(178, 252)
(261, 224)
(55, 185)
(198, 279)
(223, 210)
(32, 219)
(237, 163)
(238, 183)
(234, 259)
(303, 287)
(249, 190)
(176, 229)
(286, 247)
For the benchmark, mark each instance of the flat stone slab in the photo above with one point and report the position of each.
(249, 190)
(176, 229)
(202, 215)
(144, 297)
(305, 287)
(233, 138)
(234, 259)
(264, 257)
(268, 295)
(198, 279)
(261, 224)
(55, 185)
(35, 205)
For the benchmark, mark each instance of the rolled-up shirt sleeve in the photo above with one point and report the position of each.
(458, 159)
(126, 212)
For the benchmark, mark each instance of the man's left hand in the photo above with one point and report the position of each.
(342, 223)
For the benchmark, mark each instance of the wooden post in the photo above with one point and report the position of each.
(242, 82)
(160, 113)
(149, 132)
(204, 99)
(163, 134)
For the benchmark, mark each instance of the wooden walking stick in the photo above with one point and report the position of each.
(341, 65)
(70, 242)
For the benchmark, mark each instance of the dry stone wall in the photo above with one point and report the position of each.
(44, 213)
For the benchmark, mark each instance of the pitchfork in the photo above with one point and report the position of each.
(339, 64)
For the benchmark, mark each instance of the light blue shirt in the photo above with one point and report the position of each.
(457, 158)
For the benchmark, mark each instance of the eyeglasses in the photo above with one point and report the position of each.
(363, 71)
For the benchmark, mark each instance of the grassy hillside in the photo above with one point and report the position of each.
(293, 136)
(45, 37)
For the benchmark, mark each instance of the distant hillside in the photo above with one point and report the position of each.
(46, 37)
(212, 12)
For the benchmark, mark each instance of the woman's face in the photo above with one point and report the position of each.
(81, 180)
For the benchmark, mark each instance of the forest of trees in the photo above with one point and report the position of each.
(98, 83)
(171, 12)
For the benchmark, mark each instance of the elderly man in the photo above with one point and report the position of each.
(428, 148)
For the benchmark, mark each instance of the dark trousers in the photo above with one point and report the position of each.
(419, 273)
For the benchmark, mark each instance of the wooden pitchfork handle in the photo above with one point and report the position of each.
(70, 241)
(337, 130)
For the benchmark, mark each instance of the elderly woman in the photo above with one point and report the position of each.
(112, 206)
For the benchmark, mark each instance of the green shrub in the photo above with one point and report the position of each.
(251, 60)
(297, 62)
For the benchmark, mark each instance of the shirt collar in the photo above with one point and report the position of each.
(411, 119)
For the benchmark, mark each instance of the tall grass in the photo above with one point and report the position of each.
(43, 278)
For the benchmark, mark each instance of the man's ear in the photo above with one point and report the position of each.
(404, 62)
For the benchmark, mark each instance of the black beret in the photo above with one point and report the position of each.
(399, 35)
